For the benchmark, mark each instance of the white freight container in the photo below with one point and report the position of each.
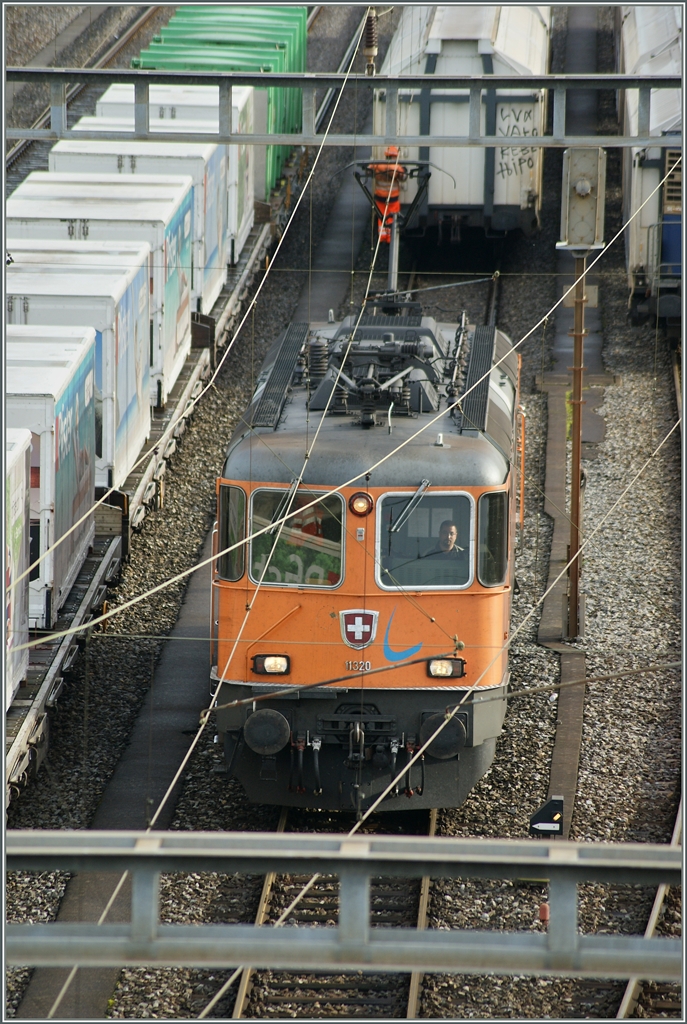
(650, 43)
(500, 188)
(175, 108)
(17, 546)
(88, 257)
(50, 390)
(123, 208)
(116, 306)
(204, 162)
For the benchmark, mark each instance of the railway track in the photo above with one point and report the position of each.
(489, 806)
(394, 902)
(651, 995)
(104, 56)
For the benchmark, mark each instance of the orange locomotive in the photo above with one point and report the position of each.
(407, 568)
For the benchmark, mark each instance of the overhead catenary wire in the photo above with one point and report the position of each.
(518, 629)
(457, 404)
(192, 404)
(501, 649)
(450, 713)
(519, 693)
(204, 720)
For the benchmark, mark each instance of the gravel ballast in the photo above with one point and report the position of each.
(630, 760)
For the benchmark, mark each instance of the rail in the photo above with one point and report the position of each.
(100, 60)
(633, 989)
(26, 719)
(385, 899)
(391, 89)
(422, 913)
(353, 945)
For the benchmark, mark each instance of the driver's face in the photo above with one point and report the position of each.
(448, 535)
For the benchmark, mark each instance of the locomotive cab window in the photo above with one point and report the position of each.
(232, 529)
(426, 545)
(309, 549)
(493, 539)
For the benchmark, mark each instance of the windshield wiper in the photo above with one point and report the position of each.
(283, 505)
(412, 504)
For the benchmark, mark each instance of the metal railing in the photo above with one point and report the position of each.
(560, 85)
(353, 945)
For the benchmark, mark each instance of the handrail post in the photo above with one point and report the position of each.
(225, 118)
(391, 129)
(559, 99)
(354, 906)
(309, 111)
(475, 112)
(644, 112)
(145, 901)
(141, 108)
(562, 931)
(58, 107)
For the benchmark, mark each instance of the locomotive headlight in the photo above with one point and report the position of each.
(446, 667)
(271, 665)
(361, 504)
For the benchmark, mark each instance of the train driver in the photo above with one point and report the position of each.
(446, 546)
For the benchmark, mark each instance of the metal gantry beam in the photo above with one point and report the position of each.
(392, 89)
(353, 945)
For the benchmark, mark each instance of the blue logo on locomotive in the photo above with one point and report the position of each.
(392, 655)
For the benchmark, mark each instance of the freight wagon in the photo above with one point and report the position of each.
(50, 390)
(228, 37)
(496, 189)
(649, 39)
(17, 544)
(205, 163)
(117, 208)
(116, 306)
(179, 108)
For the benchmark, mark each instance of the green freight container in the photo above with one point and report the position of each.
(263, 20)
(220, 34)
(227, 37)
(256, 14)
(258, 19)
(221, 39)
(186, 58)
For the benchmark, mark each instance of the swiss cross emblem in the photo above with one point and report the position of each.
(358, 627)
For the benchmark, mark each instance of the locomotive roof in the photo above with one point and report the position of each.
(435, 362)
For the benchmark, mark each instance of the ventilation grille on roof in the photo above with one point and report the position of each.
(390, 321)
(475, 403)
(271, 401)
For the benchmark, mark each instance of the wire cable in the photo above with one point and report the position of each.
(192, 404)
(456, 404)
(450, 712)
(204, 720)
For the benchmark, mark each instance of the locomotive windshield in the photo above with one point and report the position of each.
(432, 547)
(308, 552)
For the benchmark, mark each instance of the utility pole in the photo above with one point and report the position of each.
(576, 474)
(582, 229)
